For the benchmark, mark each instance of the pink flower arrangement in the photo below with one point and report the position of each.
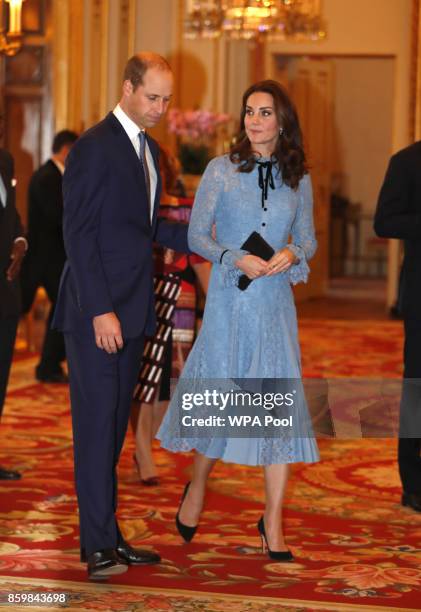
(195, 124)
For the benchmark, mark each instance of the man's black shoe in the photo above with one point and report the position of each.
(133, 556)
(413, 500)
(105, 563)
(57, 378)
(9, 474)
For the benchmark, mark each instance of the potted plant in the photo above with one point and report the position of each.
(196, 131)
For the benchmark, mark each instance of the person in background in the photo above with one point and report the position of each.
(191, 269)
(398, 215)
(13, 246)
(46, 255)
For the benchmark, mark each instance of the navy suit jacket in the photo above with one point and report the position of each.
(108, 234)
(398, 215)
(45, 223)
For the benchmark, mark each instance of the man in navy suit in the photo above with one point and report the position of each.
(111, 189)
(398, 215)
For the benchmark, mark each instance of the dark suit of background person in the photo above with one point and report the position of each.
(12, 249)
(45, 259)
(107, 281)
(398, 215)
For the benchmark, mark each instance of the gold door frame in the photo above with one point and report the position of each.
(415, 114)
(89, 53)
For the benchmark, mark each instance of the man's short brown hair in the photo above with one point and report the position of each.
(141, 62)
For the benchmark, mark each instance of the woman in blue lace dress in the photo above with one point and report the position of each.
(263, 186)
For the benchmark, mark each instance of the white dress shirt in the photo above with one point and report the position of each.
(132, 131)
(3, 192)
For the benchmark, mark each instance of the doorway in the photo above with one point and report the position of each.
(345, 105)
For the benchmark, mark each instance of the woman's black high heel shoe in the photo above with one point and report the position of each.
(185, 531)
(276, 555)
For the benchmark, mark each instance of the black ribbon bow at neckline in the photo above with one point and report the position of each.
(265, 181)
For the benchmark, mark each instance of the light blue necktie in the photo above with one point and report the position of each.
(3, 192)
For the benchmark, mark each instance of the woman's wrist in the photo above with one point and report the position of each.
(295, 257)
(230, 257)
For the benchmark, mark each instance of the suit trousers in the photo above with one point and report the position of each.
(101, 390)
(409, 447)
(53, 350)
(8, 328)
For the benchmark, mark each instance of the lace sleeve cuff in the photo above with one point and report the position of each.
(230, 273)
(298, 272)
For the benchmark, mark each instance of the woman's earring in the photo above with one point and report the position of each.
(281, 131)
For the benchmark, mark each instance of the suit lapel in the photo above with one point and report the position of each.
(128, 151)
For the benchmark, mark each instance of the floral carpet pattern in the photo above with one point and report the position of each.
(355, 546)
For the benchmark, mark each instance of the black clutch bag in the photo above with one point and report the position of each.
(256, 245)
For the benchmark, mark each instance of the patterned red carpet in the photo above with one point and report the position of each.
(355, 547)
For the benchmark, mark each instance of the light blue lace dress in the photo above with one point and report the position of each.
(251, 333)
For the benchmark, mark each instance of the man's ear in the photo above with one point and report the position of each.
(127, 87)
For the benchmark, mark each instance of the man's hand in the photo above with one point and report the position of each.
(280, 262)
(16, 257)
(108, 332)
(252, 266)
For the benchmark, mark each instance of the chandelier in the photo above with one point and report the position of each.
(250, 19)
(11, 37)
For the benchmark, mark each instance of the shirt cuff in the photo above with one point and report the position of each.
(22, 239)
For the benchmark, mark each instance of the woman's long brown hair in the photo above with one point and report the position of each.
(289, 153)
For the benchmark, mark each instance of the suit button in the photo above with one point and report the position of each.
(263, 224)
(265, 209)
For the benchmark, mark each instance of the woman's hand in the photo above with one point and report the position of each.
(252, 266)
(280, 262)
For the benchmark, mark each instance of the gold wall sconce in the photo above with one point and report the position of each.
(11, 33)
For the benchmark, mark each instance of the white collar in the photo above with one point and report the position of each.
(132, 130)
